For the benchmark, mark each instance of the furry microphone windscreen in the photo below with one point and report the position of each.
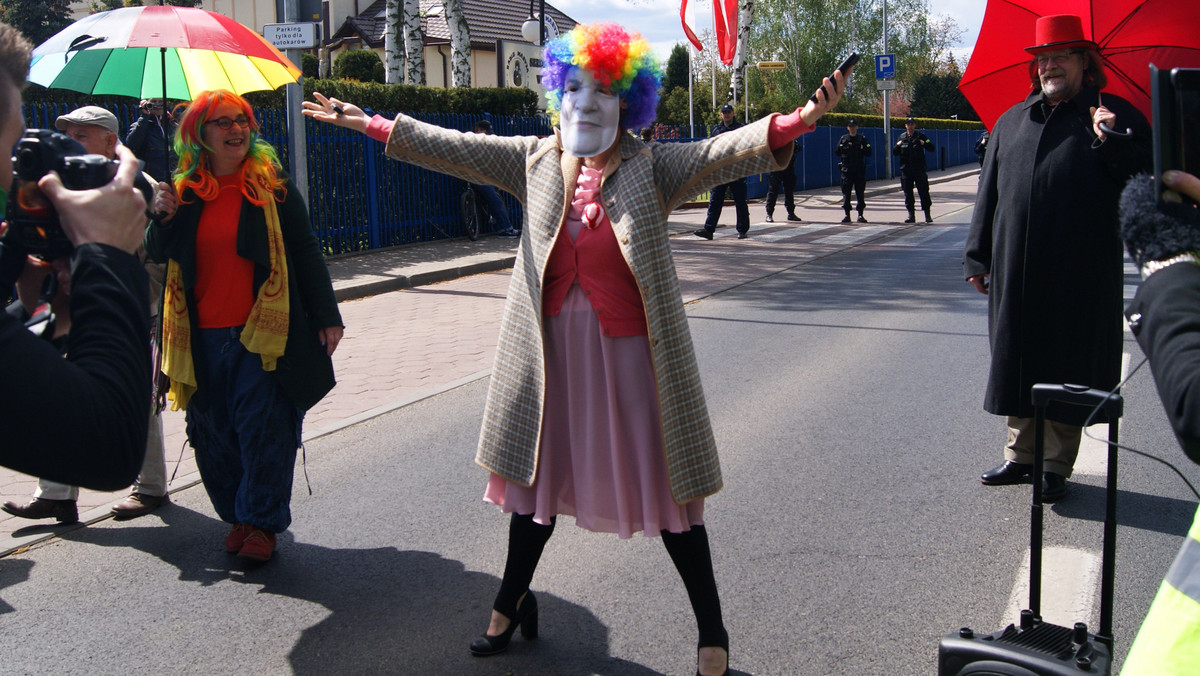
(1154, 232)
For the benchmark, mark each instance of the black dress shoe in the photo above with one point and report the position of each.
(706, 234)
(770, 219)
(1008, 473)
(526, 618)
(794, 217)
(742, 235)
(1054, 487)
(40, 508)
(846, 219)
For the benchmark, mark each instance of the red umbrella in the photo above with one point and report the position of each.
(1131, 34)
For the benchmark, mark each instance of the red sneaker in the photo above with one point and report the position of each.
(237, 536)
(258, 546)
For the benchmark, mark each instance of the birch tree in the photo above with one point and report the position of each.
(460, 44)
(414, 43)
(393, 43)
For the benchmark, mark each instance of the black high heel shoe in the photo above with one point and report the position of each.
(526, 619)
(721, 641)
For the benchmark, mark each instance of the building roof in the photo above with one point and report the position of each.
(489, 20)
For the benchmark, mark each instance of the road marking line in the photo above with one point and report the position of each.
(776, 235)
(1093, 452)
(856, 235)
(918, 236)
(1070, 597)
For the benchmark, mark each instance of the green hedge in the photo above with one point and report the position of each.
(385, 98)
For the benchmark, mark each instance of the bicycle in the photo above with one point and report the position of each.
(471, 211)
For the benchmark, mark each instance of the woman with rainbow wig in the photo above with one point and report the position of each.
(594, 408)
(249, 317)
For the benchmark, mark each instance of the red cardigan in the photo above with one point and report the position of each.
(595, 259)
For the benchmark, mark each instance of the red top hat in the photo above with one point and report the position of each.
(1059, 31)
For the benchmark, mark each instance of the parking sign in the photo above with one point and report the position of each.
(885, 66)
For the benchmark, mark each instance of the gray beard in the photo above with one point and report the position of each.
(1059, 92)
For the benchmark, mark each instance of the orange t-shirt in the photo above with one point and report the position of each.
(224, 280)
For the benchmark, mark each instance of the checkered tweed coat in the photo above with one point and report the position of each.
(642, 184)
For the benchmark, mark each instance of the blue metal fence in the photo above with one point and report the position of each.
(359, 200)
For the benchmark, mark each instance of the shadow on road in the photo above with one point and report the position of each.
(1134, 510)
(13, 571)
(390, 610)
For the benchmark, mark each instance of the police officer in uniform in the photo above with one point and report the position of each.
(852, 148)
(911, 148)
(716, 199)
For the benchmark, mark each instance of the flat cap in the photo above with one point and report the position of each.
(93, 116)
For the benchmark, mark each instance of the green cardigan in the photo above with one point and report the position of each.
(304, 371)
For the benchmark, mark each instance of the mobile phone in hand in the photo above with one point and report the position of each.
(846, 65)
(1175, 102)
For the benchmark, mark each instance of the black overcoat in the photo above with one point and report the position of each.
(1045, 227)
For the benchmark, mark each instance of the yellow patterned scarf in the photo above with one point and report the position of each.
(264, 334)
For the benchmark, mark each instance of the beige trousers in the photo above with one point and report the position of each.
(1061, 444)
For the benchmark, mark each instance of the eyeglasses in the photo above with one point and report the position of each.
(225, 123)
(1057, 59)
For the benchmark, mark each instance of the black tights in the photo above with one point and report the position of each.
(688, 550)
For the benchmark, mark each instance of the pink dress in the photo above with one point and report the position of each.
(602, 458)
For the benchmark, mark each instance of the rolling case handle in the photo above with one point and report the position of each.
(1111, 404)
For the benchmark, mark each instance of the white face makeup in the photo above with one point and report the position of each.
(590, 115)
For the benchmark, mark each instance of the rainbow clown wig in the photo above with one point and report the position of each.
(260, 171)
(615, 58)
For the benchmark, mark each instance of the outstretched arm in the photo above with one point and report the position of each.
(785, 128)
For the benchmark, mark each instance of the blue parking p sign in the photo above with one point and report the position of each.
(885, 66)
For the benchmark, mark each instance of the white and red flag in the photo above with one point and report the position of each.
(725, 18)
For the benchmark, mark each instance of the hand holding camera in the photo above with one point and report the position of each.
(113, 214)
(63, 196)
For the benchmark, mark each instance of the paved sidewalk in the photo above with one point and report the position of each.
(441, 333)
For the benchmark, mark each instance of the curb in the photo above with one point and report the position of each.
(421, 279)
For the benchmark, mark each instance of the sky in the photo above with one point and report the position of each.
(658, 20)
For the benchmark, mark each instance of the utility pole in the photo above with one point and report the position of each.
(887, 113)
(294, 94)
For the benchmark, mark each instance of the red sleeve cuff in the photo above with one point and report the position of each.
(380, 128)
(785, 128)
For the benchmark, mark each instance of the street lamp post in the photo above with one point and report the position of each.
(534, 29)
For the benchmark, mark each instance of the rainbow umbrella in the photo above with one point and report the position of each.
(140, 51)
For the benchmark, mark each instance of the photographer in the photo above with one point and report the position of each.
(149, 138)
(81, 420)
(1165, 318)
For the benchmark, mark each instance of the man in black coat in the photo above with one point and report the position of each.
(852, 148)
(1044, 246)
(716, 198)
(911, 149)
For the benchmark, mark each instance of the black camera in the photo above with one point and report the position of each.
(1175, 101)
(31, 216)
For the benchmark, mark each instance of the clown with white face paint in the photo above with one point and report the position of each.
(595, 409)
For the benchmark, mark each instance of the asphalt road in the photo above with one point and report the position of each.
(852, 533)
